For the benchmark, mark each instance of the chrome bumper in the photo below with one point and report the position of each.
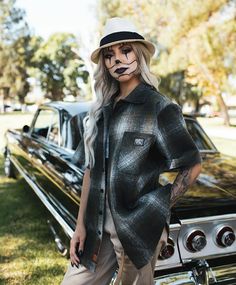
(201, 275)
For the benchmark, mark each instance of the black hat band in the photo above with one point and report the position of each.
(120, 36)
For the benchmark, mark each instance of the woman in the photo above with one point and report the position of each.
(132, 134)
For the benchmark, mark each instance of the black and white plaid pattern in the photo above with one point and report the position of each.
(144, 136)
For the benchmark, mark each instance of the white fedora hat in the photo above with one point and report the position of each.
(119, 30)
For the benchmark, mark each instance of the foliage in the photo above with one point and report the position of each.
(16, 61)
(199, 41)
(60, 67)
(22, 56)
(15, 53)
(12, 24)
(174, 86)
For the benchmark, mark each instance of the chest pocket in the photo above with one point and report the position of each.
(134, 150)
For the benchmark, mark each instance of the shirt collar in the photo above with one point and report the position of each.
(137, 95)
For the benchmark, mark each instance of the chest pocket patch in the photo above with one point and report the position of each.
(133, 151)
(139, 141)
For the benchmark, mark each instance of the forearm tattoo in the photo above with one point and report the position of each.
(180, 185)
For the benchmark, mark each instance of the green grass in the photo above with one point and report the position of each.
(27, 253)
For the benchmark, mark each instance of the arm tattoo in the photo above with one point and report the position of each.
(180, 185)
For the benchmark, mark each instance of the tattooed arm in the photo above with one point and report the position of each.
(183, 181)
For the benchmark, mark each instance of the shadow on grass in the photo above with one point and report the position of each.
(28, 245)
(21, 212)
(37, 276)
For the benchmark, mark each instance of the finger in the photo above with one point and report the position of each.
(73, 257)
(75, 260)
(81, 246)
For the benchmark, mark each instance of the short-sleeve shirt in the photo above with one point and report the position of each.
(144, 135)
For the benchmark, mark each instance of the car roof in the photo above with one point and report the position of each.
(73, 108)
(189, 116)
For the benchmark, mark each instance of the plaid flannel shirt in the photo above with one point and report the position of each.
(143, 136)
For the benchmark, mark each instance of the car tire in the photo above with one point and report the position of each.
(9, 168)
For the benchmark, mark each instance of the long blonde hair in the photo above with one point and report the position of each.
(105, 86)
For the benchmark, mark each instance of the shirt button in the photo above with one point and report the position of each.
(102, 190)
(100, 212)
(99, 232)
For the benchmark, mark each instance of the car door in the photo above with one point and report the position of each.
(53, 172)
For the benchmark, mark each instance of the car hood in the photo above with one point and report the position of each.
(214, 192)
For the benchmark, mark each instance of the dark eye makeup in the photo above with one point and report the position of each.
(125, 49)
(107, 55)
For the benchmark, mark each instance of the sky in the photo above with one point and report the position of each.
(49, 16)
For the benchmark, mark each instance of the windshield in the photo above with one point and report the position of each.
(199, 136)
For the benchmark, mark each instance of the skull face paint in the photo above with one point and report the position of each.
(121, 61)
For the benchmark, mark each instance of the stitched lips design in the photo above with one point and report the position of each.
(121, 70)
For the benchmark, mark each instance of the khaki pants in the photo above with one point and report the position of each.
(110, 255)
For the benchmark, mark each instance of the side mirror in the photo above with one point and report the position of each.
(25, 129)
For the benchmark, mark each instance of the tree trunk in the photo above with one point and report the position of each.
(224, 109)
(2, 103)
(197, 105)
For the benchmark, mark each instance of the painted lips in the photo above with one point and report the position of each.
(121, 70)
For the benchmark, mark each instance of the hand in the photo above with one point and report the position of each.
(77, 244)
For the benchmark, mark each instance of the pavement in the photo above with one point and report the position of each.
(223, 137)
(214, 128)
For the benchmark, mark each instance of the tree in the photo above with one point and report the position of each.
(60, 67)
(15, 52)
(199, 47)
(17, 62)
(174, 86)
(199, 41)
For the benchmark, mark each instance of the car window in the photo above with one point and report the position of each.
(46, 126)
(42, 124)
(74, 129)
(200, 138)
(54, 131)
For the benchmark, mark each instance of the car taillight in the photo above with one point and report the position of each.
(225, 236)
(168, 250)
(195, 241)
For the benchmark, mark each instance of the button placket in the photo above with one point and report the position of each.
(103, 189)
(101, 206)
(103, 178)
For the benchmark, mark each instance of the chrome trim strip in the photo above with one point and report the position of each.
(218, 275)
(176, 279)
(174, 226)
(206, 219)
(68, 230)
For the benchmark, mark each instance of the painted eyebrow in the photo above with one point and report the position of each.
(109, 49)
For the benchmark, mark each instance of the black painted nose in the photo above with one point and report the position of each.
(117, 61)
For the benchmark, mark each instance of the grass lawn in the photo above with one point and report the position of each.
(28, 253)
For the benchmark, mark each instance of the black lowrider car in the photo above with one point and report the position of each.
(201, 248)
